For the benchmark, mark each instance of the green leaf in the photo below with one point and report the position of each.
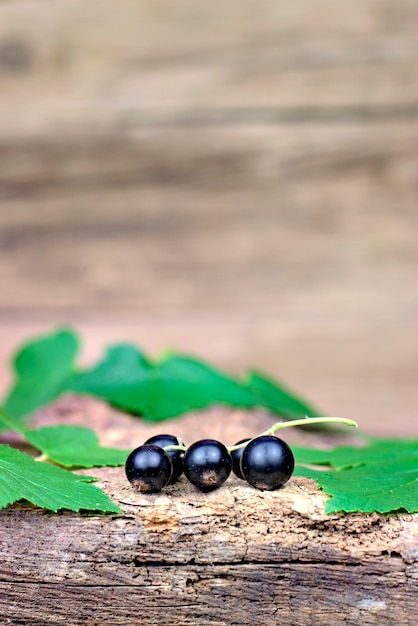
(128, 379)
(43, 368)
(186, 377)
(279, 399)
(52, 488)
(348, 456)
(74, 446)
(175, 385)
(382, 477)
(11, 423)
(124, 378)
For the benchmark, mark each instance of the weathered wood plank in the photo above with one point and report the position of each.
(238, 181)
(182, 556)
(187, 557)
(219, 595)
(92, 65)
(265, 247)
(243, 179)
(347, 206)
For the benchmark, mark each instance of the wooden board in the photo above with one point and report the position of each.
(105, 64)
(236, 181)
(233, 556)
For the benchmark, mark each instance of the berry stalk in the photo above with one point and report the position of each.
(306, 421)
(180, 447)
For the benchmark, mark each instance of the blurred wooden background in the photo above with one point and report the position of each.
(238, 180)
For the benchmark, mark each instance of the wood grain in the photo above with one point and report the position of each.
(238, 181)
(234, 181)
(233, 556)
(291, 250)
(104, 64)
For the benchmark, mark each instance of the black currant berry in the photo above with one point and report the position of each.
(176, 456)
(148, 468)
(236, 458)
(207, 464)
(267, 462)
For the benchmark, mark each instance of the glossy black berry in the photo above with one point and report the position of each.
(236, 459)
(176, 456)
(267, 462)
(148, 468)
(207, 464)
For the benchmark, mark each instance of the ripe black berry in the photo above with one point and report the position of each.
(236, 459)
(267, 462)
(176, 456)
(148, 468)
(207, 464)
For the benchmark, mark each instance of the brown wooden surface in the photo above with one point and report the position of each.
(233, 556)
(238, 181)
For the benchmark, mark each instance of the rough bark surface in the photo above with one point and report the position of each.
(233, 556)
(239, 181)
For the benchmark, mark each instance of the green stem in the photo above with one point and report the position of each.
(306, 421)
(42, 458)
(173, 447)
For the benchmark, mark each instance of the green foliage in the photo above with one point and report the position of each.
(43, 368)
(343, 457)
(277, 398)
(52, 488)
(74, 446)
(22, 477)
(68, 445)
(128, 379)
(175, 385)
(381, 477)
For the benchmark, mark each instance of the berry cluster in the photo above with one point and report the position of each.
(265, 462)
